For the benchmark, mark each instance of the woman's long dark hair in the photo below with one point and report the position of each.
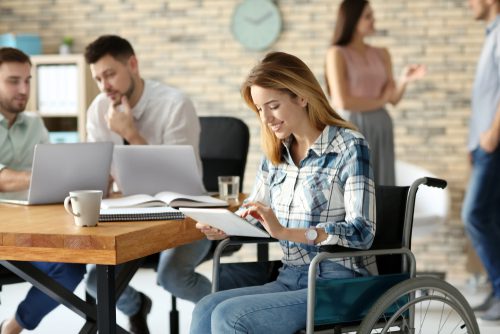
(348, 16)
(347, 19)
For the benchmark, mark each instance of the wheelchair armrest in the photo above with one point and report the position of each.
(251, 240)
(338, 248)
(227, 242)
(349, 252)
(335, 249)
(238, 241)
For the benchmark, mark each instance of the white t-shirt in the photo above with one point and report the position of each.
(163, 116)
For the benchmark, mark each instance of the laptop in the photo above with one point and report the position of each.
(150, 169)
(60, 168)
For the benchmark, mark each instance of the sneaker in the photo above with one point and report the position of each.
(139, 321)
(493, 313)
(485, 306)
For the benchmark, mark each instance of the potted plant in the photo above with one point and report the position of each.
(66, 45)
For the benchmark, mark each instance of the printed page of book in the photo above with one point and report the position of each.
(137, 201)
(177, 200)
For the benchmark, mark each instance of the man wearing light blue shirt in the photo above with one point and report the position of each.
(481, 210)
(19, 134)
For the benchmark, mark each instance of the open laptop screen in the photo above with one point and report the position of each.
(150, 169)
(60, 168)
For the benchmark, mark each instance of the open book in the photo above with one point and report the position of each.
(226, 221)
(161, 199)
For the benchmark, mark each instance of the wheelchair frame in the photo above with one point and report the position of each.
(375, 318)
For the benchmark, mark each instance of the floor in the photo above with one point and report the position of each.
(64, 321)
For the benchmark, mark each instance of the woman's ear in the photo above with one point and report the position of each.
(302, 101)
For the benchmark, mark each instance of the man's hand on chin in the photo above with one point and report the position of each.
(120, 119)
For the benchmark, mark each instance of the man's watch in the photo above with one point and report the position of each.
(311, 235)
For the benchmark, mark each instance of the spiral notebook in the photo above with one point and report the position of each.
(138, 214)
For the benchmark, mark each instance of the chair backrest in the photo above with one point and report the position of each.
(390, 232)
(391, 209)
(223, 149)
(432, 205)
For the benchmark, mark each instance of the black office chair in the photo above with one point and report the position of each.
(223, 149)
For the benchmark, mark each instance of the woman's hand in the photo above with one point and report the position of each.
(413, 72)
(409, 73)
(210, 232)
(265, 215)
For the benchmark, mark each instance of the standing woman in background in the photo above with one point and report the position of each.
(360, 83)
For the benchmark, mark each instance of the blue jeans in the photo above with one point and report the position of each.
(276, 307)
(175, 273)
(481, 212)
(37, 304)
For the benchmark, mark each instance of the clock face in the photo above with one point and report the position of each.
(256, 24)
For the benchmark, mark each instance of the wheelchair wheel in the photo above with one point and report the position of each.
(420, 305)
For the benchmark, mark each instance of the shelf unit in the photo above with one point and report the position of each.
(67, 91)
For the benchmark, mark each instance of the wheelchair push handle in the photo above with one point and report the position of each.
(435, 182)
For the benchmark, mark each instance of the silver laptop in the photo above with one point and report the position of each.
(59, 168)
(150, 169)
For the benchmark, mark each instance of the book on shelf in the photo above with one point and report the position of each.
(57, 89)
(226, 221)
(64, 137)
(164, 198)
(139, 214)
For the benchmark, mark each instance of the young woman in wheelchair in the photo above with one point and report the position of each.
(314, 187)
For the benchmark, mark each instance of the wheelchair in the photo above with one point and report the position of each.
(395, 300)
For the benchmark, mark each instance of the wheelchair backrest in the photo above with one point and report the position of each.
(391, 208)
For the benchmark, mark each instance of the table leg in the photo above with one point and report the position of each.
(123, 275)
(106, 312)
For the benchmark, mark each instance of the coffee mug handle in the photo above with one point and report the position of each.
(67, 206)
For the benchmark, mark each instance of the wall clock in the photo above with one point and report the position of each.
(256, 24)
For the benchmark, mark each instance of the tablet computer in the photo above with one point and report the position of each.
(225, 220)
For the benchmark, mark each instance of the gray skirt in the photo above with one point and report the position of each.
(377, 128)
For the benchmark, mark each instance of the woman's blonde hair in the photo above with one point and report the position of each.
(288, 74)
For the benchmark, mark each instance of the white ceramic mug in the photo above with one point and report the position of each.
(85, 206)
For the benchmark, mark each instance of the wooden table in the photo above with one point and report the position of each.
(47, 233)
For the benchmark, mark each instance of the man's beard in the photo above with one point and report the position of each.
(130, 89)
(128, 93)
(11, 107)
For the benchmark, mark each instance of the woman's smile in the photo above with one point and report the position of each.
(276, 126)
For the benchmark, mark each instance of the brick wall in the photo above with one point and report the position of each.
(188, 44)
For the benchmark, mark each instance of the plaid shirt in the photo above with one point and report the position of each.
(332, 188)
